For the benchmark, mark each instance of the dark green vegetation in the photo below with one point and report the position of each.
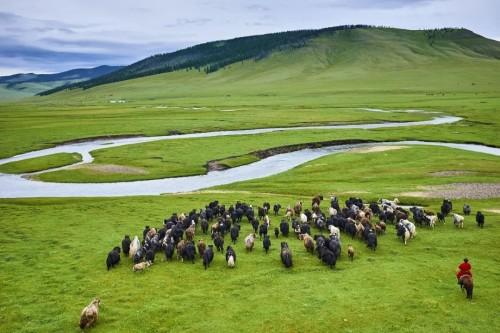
(41, 163)
(21, 85)
(53, 250)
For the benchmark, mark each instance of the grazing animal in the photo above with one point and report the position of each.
(284, 228)
(90, 314)
(134, 247)
(126, 245)
(441, 217)
(219, 242)
(113, 257)
(410, 226)
(350, 252)
(458, 221)
(480, 219)
(169, 251)
(208, 256)
(466, 210)
(204, 226)
(141, 266)
(262, 230)
(467, 284)
(446, 207)
(201, 247)
(431, 219)
(249, 242)
(180, 247)
(276, 232)
(403, 232)
(139, 255)
(276, 209)
(150, 256)
(286, 255)
(334, 231)
(230, 257)
(332, 211)
(190, 231)
(235, 233)
(327, 256)
(297, 208)
(266, 243)
(188, 252)
(308, 242)
(371, 240)
(303, 218)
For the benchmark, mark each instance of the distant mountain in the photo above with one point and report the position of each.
(19, 85)
(308, 60)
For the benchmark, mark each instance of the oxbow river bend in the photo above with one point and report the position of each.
(15, 186)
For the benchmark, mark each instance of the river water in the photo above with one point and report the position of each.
(15, 186)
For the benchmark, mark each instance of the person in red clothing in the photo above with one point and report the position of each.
(464, 269)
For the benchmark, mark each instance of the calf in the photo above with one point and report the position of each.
(90, 314)
(208, 256)
(113, 257)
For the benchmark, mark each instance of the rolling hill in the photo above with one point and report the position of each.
(27, 84)
(337, 55)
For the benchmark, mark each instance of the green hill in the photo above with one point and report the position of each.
(29, 84)
(314, 61)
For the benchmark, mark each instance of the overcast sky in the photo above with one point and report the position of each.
(55, 35)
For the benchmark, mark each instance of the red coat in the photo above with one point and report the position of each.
(464, 269)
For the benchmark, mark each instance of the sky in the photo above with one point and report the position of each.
(55, 35)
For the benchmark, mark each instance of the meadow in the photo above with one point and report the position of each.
(53, 251)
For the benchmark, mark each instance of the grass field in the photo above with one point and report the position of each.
(53, 251)
(41, 163)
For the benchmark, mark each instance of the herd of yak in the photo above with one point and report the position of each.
(356, 219)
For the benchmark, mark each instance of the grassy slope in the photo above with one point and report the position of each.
(377, 67)
(41, 163)
(398, 288)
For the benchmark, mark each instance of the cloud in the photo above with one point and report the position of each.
(258, 8)
(185, 21)
(375, 4)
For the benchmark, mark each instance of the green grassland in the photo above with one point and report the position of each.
(320, 83)
(41, 163)
(55, 265)
(53, 251)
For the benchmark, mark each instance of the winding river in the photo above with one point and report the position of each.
(15, 186)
